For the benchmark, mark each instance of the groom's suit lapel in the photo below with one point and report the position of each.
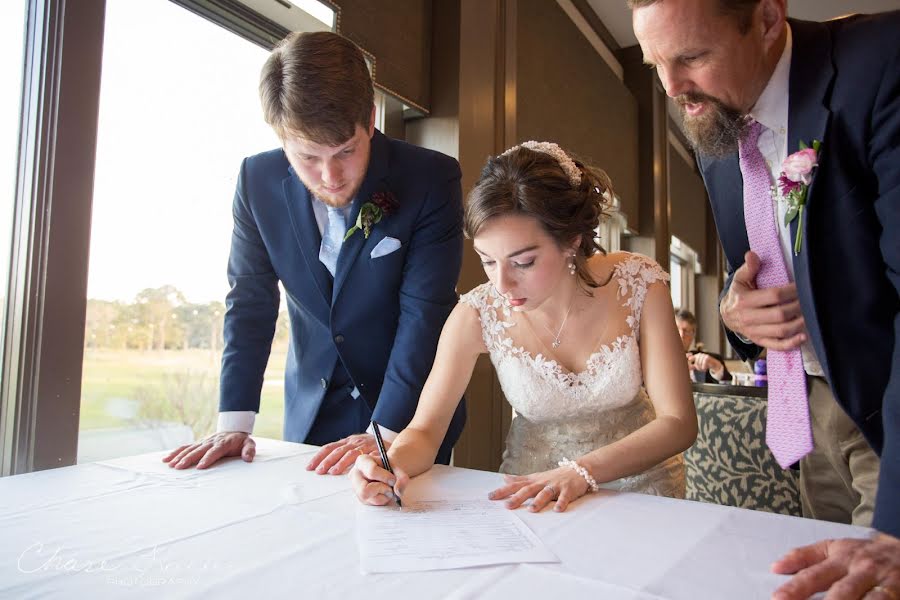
(375, 174)
(306, 230)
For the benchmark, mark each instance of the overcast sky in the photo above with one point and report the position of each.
(178, 111)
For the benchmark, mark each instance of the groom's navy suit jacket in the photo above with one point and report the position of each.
(845, 91)
(375, 325)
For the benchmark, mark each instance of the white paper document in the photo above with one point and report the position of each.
(444, 534)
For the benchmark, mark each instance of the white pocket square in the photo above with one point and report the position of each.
(385, 246)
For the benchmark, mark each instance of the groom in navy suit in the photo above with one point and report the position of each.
(735, 66)
(364, 233)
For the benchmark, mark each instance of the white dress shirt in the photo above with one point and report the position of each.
(771, 110)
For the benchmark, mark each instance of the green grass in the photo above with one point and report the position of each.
(121, 374)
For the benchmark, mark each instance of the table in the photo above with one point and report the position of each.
(133, 528)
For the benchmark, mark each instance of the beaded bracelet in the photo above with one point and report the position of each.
(592, 483)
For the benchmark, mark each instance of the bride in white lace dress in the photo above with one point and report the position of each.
(583, 342)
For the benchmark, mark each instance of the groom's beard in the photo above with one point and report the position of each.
(715, 132)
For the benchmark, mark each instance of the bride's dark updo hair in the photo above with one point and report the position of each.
(531, 183)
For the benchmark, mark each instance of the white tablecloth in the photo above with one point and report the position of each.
(133, 528)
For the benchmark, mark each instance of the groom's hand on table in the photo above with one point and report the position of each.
(562, 485)
(210, 450)
(768, 317)
(848, 568)
(375, 485)
(338, 457)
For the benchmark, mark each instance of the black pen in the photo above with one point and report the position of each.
(384, 458)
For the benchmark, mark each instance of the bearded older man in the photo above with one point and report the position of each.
(797, 129)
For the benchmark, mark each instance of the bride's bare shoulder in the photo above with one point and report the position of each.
(603, 265)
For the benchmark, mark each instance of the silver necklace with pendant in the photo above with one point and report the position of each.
(556, 338)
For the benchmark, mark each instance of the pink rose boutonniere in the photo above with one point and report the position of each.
(796, 175)
(379, 205)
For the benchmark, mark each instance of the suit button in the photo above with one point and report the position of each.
(339, 339)
(324, 384)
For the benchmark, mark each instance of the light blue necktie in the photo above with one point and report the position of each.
(332, 238)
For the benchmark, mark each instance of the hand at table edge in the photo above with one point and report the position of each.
(337, 458)
(211, 449)
(848, 568)
(562, 485)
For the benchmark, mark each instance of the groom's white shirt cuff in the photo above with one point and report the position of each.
(243, 420)
(387, 435)
(236, 420)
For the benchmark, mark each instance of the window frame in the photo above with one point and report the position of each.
(612, 226)
(690, 265)
(48, 272)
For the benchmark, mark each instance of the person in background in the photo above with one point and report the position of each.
(706, 367)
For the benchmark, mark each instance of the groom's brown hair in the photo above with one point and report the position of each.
(741, 10)
(316, 85)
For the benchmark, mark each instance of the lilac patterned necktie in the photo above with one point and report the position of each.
(788, 431)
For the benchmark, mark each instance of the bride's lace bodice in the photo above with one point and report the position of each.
(568, 414)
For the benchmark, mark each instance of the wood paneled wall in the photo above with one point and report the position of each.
(566, 93)
(688, 204)
(397, 33)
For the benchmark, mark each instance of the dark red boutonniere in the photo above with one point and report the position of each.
(380, 204)
(796, 175)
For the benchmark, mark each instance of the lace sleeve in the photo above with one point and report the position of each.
(634, 275)
(477, 298)
(485, 299)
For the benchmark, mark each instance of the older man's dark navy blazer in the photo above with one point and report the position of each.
(374, 327)
(844, 91)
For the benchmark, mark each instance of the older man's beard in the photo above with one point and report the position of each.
(716, 132)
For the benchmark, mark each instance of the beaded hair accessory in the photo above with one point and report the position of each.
(568, 165)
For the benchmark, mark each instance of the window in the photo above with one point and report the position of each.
(12, 50)
(12, 42)
(676, 283)
(295, 15)
(612, 227)
(156, 129)
(684, 266)
(177, 115)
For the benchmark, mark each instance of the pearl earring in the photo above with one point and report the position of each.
(572, 267)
